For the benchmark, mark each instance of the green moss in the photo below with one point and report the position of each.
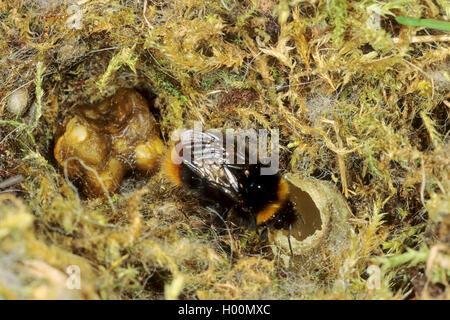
(356, 95)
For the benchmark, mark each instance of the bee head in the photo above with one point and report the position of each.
(285, 217)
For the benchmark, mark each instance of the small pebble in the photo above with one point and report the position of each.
(17, 101)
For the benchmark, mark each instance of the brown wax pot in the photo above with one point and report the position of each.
(101, 142)
(322, 234)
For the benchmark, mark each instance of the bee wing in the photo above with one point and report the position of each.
(206, 153)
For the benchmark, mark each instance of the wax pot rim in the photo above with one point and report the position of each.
(334, 214)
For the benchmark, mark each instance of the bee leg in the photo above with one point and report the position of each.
(289, 240)
(219, 221)
(224, 213)
(263, 237)
(219, 218)
(264, 234)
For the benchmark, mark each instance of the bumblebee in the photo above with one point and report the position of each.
(223, 179)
